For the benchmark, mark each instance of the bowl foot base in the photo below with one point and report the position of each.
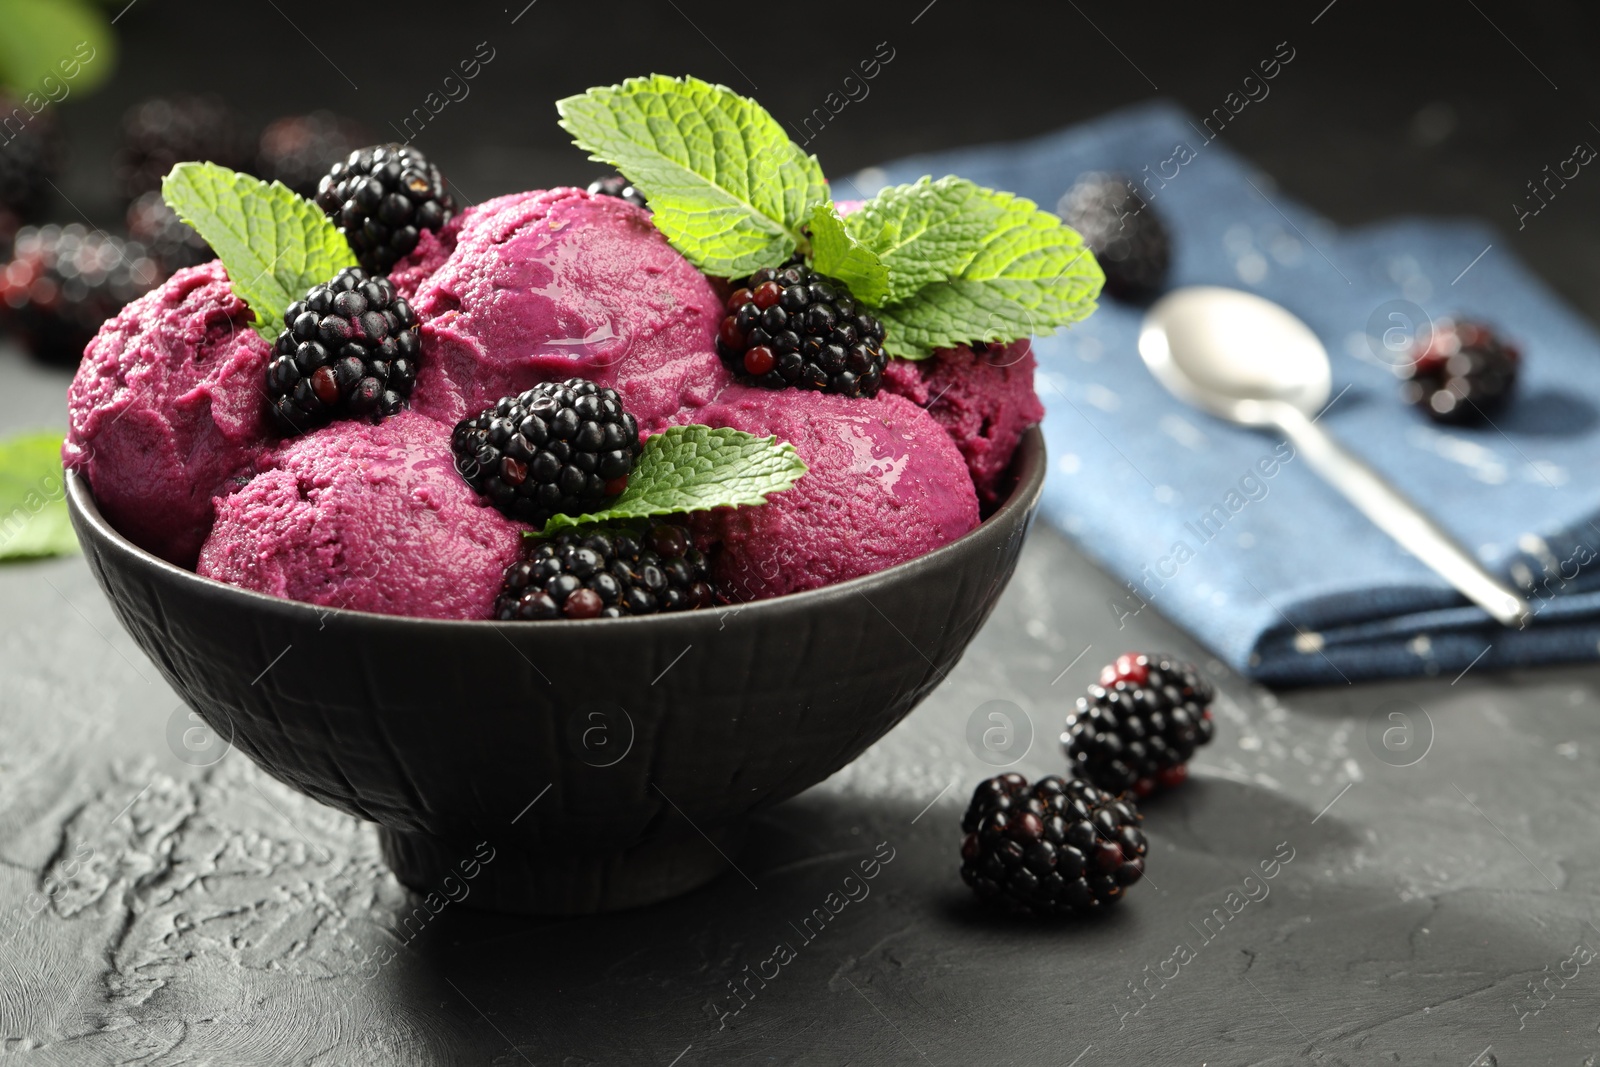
(508, 877)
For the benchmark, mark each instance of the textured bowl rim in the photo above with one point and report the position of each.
(1028, 469)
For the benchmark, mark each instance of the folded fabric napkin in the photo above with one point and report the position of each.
(1223, 529)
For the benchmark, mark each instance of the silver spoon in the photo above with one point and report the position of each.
(1247, 360)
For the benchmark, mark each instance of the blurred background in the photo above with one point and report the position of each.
(1387, 109)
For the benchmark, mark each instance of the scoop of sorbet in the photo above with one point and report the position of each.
(885, 485)
(371, 518)
(167, 409)
(560, 283)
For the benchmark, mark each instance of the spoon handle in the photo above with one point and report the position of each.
(1399, 518)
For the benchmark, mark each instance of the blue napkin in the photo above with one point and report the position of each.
(1221, 528)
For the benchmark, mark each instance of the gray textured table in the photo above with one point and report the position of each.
(158, 912)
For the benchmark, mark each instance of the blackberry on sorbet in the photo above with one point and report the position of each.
(1137, 729)
(1057, 847)
(602, 573)
(382, 198)
(790, 326)
(621, 188)
(1126, 235)
(560, 448)
(348, 350)
(1461, 372)
(63, 282)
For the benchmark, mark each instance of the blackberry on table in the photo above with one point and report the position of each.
(63, 282)
(790, 326)
(174, 243)
(382, 198)
(1058, 847)
(559, 448)
(348, 350)
(299, 149)
(1461, 373)
(601, 573)
(621, 188)
(164, 131)
(1127, 237)
(1138, 727)
(30, 160)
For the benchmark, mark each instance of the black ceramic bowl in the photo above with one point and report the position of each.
(567, 766)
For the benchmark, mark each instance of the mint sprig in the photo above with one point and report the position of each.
(727, 186)
(274, 243)
(33, 504)
(1000, 268)
(695, 468)
(836, 253)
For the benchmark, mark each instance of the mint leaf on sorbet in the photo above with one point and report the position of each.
(274, 242)
(727, 186)
(695, 468)
(33, 502)
(928, 231)
(837, 254)
(1028, 275)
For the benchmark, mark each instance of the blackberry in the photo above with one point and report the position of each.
(164, 131)
(1461, 372)
(621, 188)
(790, 326)
(299, 149)
(30, 161)
(1054, 848)
(173, 242)
(382, 198)
(1137, 728)
(63, 282)
(599, 573)
(559, 448)
(348, 350)
(1127, 237)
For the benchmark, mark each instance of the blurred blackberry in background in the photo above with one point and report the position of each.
(382, 198)
(164, 131)
(173, 242)
(1057, 847)
(589, 573)
(63, 282)
(1460, 373)
(31, 152)
(299, 149)
(618, 186)
(1127, 237)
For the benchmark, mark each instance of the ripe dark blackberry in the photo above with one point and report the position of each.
(63, 282)
(31, 150)
(559, 448)
(299, 149)
(790, 326)
(1127, 237)
(590, 573)
(1056, 848)
(348, 350)
(1137, 728)
(621, 188)
(164, 131)
(382, 198)
(1460, 372)
(173, 242)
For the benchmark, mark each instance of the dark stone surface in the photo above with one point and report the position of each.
(216, 917)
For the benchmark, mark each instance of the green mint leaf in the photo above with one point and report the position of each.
(33, 502)
(837, 254)
(694, 468)
(50, 50)
(925, 232)
(727, 186)
(1030, 276)
(274, 242)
